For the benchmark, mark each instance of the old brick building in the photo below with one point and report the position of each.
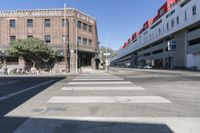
(49, 25)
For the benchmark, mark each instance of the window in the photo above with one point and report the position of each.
(177, 20)
(158, 51)
(47, 39)
(85, 26)
(194, 42)
(79, 40)
(90, 28)
(47, 23)
(79, 24)
(194, 28)
(90, 42)
(84, 41)
(63, 22)
(194, 10)
(12, 23)
(159, 31)
(167, 26)
(172, 23)
(30, 36)
(185, 15)
(29, 22)
(12, 38)
(185, 3)
(162, 12)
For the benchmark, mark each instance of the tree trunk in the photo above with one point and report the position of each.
(34, 63)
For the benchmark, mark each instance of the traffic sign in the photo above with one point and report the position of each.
(106, 54)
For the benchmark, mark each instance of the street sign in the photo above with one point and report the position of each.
(106, 54)
(171, 45)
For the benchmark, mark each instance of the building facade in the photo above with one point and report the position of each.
(169, 40)
(49, 25)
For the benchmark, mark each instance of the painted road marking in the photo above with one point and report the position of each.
(27, 89)
(96, 83)
(101, 88)
(97, 79)
(107, 77)
(7, 83)
(111, 99)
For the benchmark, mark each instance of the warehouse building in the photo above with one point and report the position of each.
(169, 40)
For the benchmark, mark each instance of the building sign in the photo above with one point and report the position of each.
(46, 12)
(85, 18)
(32, 13)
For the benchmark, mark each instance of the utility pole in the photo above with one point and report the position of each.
(65, 39)
(106, 55)
(77, 43)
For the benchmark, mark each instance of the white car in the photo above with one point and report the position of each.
(148, 67)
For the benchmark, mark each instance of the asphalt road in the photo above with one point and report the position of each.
(121, 101)
(14, 91)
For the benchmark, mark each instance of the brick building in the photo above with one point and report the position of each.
(49, 25)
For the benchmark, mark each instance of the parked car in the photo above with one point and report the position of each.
(148, 67)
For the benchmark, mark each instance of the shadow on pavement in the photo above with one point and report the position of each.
(37, 125)
(10, 104)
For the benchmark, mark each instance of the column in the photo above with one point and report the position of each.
(93, 61)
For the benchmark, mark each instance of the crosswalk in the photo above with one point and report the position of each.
(100, 83)
(105, 103)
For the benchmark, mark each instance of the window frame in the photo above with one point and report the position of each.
(79, 24)
(79, 40)
(46, 37)
(85, 40)
(194, 10)
(90, 42)
(85, 26)
(47, 25)
(13, 25)
(63, 22)
(29, 26)
(12, 38)
(90, 28)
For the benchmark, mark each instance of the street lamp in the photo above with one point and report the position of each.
(77, 45)
(66, 42)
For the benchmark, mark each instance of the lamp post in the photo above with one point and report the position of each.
(77, 44)
(66, 42)
(65, 39)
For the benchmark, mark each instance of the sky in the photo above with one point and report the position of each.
(117, 20)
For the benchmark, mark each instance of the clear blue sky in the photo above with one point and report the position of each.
(117, 19)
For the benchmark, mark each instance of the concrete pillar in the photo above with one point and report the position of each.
(93, 61)
(164, 58)
(73, 61)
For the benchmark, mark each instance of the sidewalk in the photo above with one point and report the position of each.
(183, 72)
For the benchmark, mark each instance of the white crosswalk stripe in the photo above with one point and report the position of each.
(115, 99)
(102, 88)
(100, 83)
(98, 79)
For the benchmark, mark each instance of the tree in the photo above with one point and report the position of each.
(32, 49)
(109, 50)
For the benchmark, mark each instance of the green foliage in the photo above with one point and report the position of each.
(32, 49)
(109, 50)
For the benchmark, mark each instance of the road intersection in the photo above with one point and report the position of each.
(116, 102)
